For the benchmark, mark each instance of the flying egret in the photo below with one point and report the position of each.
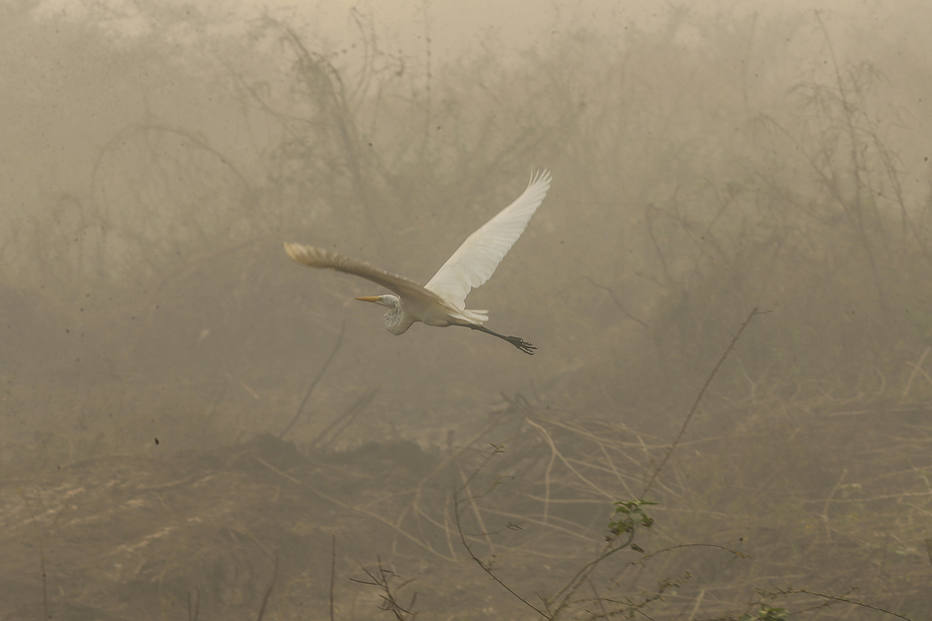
(442, 301)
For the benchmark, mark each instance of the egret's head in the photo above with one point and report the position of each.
(384, 300)
(396, 320)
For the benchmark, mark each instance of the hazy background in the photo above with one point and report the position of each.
(708, 158)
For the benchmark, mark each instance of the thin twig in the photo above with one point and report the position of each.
(195, 610)
(917, 368)
(42, 573)
(827, 504)
(586, 570)
(333, 564)
(477, 514)
(846, 600)
(548, 470)
(618, 304)
(695, 405)
(699, 598)
(45, 582)
(598, 598)
(268, 591)
(681, 546)
(320, 375)
(486, 568)
(345, 419)
(446, 526)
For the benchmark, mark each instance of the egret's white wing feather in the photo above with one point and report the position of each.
(319, 257)
(476, 259)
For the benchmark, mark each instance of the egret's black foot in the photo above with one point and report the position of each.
(521, 344)
(517, 341)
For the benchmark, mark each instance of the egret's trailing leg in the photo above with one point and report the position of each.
(517, 341)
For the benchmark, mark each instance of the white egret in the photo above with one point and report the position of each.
(442, 301)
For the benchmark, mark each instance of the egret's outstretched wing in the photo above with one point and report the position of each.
(318, 257)
(476, 259)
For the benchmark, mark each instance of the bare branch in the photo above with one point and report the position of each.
(695, 405)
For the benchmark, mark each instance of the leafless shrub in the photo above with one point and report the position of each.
(386, 581)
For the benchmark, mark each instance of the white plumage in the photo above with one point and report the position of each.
(475, 260)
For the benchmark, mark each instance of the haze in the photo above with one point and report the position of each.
(728, 283)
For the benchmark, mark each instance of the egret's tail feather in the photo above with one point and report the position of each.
(471, 315)
(479, 316)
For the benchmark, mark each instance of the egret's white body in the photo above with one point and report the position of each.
(442, 301)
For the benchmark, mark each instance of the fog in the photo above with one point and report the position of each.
(730, 412)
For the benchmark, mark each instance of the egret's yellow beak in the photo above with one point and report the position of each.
(368, 298)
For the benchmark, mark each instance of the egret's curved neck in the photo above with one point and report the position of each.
(397, 321)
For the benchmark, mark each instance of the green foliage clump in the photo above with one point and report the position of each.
(629, 514)
(766, 613)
